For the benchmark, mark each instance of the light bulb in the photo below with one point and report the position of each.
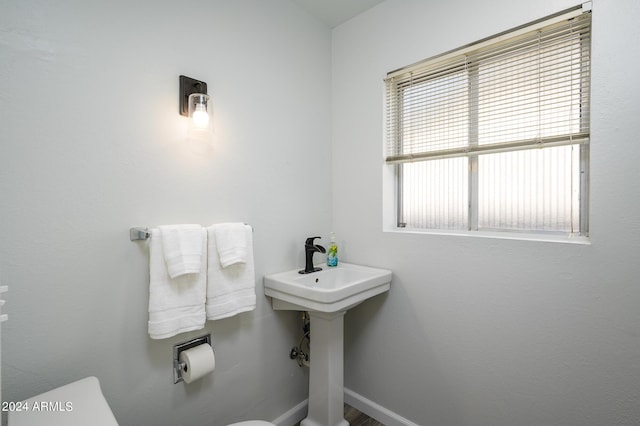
(200, 116)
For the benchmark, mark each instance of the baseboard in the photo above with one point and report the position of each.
(294, 415)
(357, 401)
(371, 409)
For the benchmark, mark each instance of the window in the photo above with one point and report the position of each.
(495, 136)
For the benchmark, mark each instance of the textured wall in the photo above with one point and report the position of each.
(91, 143)
(482, 331)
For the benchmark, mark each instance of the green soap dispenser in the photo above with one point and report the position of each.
(332, 252)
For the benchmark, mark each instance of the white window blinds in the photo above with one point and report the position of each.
(488, 105)
(521, 92)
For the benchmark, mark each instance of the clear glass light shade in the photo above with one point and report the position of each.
(200, 117)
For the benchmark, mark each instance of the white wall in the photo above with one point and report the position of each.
(484, 331)
(473, 332)
(91, 143)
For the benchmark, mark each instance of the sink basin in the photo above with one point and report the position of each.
(333, 289)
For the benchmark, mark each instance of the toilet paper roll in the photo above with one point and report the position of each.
(198, 362)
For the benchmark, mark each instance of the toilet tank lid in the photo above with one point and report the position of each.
(87, 406)
(253, 423)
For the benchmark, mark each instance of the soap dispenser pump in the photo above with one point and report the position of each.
(332, 252)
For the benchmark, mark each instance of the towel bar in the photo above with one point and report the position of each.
(138, 234)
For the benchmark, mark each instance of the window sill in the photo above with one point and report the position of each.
(521, 236)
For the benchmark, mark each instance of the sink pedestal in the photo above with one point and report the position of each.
(326, 382)
(326, 295)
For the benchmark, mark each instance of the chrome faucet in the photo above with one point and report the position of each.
(309, 249)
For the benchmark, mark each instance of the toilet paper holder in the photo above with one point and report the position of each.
(179, 348)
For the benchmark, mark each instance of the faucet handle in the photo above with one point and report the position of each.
(309, 241)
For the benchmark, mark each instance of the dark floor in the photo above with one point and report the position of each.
(356, 418)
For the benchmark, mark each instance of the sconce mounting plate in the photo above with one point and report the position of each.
(189, 86)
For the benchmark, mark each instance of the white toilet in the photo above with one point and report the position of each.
(79, 403)
(87, 407)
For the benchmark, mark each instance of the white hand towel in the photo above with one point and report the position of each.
(230, 290)
(176, 305)
(231, 241)
(182, 248)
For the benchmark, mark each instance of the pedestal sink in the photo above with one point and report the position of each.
(326, 295)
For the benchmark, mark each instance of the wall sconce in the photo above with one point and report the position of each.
(196, 104)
